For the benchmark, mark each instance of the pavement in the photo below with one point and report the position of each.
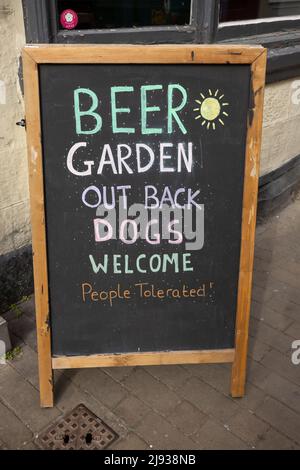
(180, 407)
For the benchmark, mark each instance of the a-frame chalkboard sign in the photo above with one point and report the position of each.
(143, 167)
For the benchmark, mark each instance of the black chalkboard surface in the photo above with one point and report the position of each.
(172, 322)
(143, 203)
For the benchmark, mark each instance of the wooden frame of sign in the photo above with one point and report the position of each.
(33, 55)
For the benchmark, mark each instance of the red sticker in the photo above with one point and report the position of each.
(69, 19)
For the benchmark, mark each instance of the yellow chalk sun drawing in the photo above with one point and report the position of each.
(211, 109)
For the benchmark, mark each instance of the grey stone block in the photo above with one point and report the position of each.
(4, 334)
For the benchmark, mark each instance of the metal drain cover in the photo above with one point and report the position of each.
(78, 430)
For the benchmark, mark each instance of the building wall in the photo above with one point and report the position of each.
(281, 127)
(14, 199)
(281, 135)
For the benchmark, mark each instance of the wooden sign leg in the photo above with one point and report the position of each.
(239, 366)
(46, 388)
(45, 371)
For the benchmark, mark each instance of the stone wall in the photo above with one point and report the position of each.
(281, 128)
(14, 198)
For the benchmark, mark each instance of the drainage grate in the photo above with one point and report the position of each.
(78, 430)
